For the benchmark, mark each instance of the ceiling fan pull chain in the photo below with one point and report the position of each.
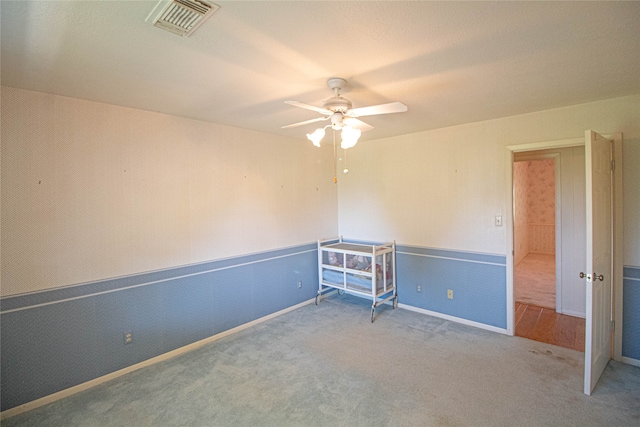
(346, 170)
(335, 166)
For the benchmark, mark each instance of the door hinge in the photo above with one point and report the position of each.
(613, 325)
(613, 165)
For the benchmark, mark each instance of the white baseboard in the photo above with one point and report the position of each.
(161, 358)
(455, 319)
(630, 361)
(573, 313)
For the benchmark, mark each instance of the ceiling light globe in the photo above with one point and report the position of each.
(316, 136)
(350, 137)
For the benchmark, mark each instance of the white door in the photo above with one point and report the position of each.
(599, 258)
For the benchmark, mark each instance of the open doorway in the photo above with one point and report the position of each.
(534, 232)
(544, 311)
(593, 155)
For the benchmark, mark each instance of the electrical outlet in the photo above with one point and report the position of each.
(128, 338)
(498, 220)
(418, 288)
(450, 293)
(299, 284)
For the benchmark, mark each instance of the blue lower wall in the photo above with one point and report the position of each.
(478, 281)
(56, 339)
(631, 313)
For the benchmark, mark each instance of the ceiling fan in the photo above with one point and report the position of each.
(343, 117)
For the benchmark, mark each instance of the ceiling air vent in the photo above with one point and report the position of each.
(181, 17)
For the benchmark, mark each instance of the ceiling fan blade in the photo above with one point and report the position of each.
(306, 122)
(309, 107)
(392, 107)
(358, 124)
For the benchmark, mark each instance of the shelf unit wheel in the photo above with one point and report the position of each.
(340, 292)
(395, 302)
(317, 297)
(373, 310)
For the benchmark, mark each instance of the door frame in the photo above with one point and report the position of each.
(617, 234)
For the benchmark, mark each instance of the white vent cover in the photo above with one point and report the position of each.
(181, 17)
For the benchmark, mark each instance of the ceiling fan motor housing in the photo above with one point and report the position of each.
(337, 104)
(336, 121)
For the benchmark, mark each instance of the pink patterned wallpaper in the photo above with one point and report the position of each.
(535, 207)
(541, 192)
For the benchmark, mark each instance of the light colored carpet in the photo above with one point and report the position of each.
(534, 280)
(327, 365)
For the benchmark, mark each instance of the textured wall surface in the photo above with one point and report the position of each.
(93, 191)
(631, 320)
(472, 277)
(441, 189)
(101, 196)
(542, 206)
(56, 339)
(541, 192)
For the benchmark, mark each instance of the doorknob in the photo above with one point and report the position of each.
(589, 276)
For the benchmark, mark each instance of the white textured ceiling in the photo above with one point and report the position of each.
(449, 62)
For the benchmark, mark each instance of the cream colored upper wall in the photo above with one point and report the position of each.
(442, 188)
(520, 211)
(91, 191)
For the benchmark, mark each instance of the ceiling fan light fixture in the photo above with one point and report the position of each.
(350, 137)
(342, 116)
(316, 136)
